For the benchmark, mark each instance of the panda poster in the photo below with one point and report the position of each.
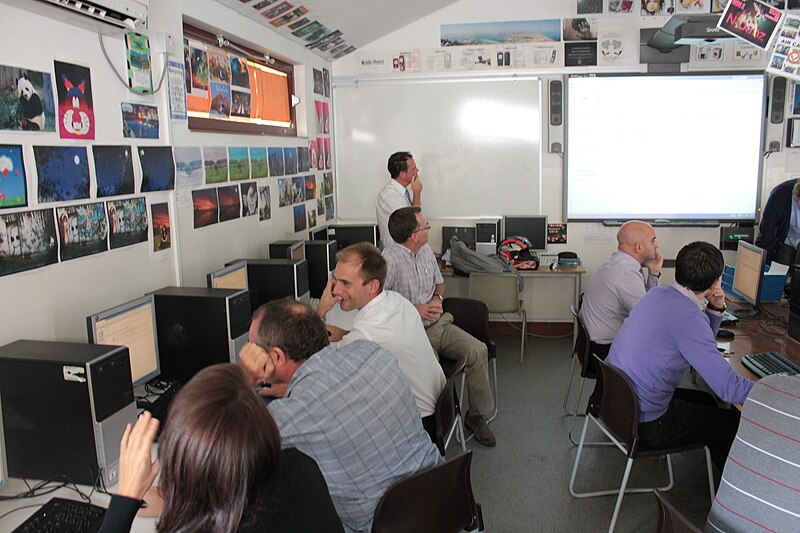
(27, 241)
(26, 100)
(75, 104)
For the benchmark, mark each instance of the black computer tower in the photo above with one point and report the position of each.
(65, 407)
(281, 249)
(321, 257)
(273, 279)
(347, 234)
(199, 327)
(794, 304)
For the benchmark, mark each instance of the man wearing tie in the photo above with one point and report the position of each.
(395, 194)
(779, 230)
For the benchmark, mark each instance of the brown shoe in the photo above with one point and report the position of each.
(477, 424)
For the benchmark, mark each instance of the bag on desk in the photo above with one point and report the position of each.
(466, 261)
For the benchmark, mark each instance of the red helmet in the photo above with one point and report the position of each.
(517, 251)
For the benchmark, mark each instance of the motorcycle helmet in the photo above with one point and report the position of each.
(517, 251)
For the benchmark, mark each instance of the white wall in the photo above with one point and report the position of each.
(51, 303)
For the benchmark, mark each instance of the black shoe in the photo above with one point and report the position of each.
(483, 434)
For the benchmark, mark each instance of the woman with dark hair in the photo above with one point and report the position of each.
(222, 467)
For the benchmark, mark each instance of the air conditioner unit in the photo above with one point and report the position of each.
(104, 16)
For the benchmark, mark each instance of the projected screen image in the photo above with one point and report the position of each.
(677, 147)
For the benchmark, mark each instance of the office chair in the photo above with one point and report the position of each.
(614, 408)
(438, 499)
(670, 520)
(500, 292)
(447, 412)
(582, 355)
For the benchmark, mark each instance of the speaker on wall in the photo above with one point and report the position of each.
(556, 103)
(778, 100)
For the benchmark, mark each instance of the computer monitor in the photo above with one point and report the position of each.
(466, 234)
(318, 234)
(230, 277)
(532, 227)
(132, 324)
(347, 234)
(749, 276)
(297, 251)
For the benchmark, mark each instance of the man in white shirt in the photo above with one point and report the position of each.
(384, 317)
(619, 283)
(395, 194)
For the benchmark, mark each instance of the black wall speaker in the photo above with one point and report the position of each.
(557, 101)
(778, 103)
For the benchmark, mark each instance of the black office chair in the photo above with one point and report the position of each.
(670, 520)
(447, 413)
(614, 408)
(435, 500)
(582, 355)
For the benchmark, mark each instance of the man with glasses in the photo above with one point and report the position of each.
(619, 283)
(395, 194)
(414, 273)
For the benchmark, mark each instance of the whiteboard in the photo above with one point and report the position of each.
(476, 141)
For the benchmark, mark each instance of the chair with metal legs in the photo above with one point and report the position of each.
(447, 413)
(500, 292)
(582, 355)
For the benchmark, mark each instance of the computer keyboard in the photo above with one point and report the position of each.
(160, 406)
(64, 516)
(768, 363)
(728, 319)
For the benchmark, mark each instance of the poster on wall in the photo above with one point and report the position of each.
(298, 190)
(62, 173)
(13, 182)
(329, 208)
(158, 168)
(284, 192)
(580, 29)
(113, 170)
(290, 160)
(159, 215)
(27, 241)
(140, 76)
(264, 203)
(303, 163)
(27, 97)
(83, 230)
(215, 160)
(299, 217)
(139, 121)
(205, 206)
(249, 199)
(312, 218)
(75, 103)
(259, 167)
(238, 163)
(176, 81)
(580, 54)
(127, 220)
(188, 166)
(785, 60)
(275, 161)
(751, 20)
(229, 202)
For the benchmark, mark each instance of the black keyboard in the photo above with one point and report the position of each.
(64, 516)
(768, 363)
(728, 319)
(160, 406)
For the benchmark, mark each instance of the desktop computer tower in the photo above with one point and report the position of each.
(487, 233)
(199, 327)
(64, 409)
(3, 464)
(794, 304)
(273, 279)
(321, 257)
(347, 234)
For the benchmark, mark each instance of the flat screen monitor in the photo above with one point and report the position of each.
(749, 273)
(532, 227)
(318, 234)
(132, 324)
(465, 234)
(231, 277)
(347, 234)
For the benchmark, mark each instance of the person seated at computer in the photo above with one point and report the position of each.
(758, 491)
(394, 195)
(384, 317)
(619, 283)
(222, 467)
(779, 230)
(668, 331)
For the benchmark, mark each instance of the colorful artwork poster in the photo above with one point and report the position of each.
(113, 170)
(311, 187)
(785, 60)
(326, 118)
(259, 167)
(75, 104)
(312, 218)
(299, 217)
(580, 29)
(127, 220)
(752, 21)
(162, 238)
(718, 6)
(199, 71)
(13, 182)
(557, 234)
(693, 6)
(215, 159)
(220, 100)
(229, 203)
(275, 161)
(62, 173)
(315, 35)
(219, 67)
(158, 168)
(318, 89)
(326, 82)
(290, 160)
(139, 121)
(26, 100)
(288, 17)
(249, 199)
(303, 164)
(519, 31)
(238, 163)
(241, 104)
(83, 230)
(205, 206)
(620, 6)
(320, 153)
(327, 180)
(258, 6)
(264, 203)
(27, 241)
(277, 10)
(240, 76)
(140, 78)
(652, 8)
(320, 116)
(329, 208)
(298, 190)
(320, 205)
(188, 166)
(329, 153)
(284, 192)
(312, 153)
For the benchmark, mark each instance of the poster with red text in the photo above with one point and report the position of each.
(751, 20)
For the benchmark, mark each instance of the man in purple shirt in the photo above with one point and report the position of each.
(668, 331)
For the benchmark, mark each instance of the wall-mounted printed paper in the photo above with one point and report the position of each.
(303, 163)
(139, 121)
(249, 199)
(205, 206)
(580, 29)
(264, 203)
(298, 190)
(299, 217)
(276, 161)
(62, 173)
(229, 202)
(199, 69)
(317, 74)
(557, 234)
(712, 53)
(693, 6)
(239, 163)
(128, 222)
(83, 230)
(320, 153)
(290, 160)
(215, 159)
(744, 51)
(220, 100)
(327, 180)
(326, 82)
(188, 166)
(312, 218)
(612, 45)
(328, 153)
(580, 54)
(311, 187)
(312, 153)
(329, 208)
(652, 8)
(13, 181)
(140, 77)
(27, 97)
(483, 33)
(75, 104)
(162, 234)
(176, 80)
(286, 18)
(27, 241)
(785, 60)
(240, 74)
(277, 10)
(320, 205)
(158, 168)
(113, 170)
(259, 167)
(751, 20)
(617, 7)
(284, 192)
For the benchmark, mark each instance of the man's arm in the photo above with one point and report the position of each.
(630, 289)
(416, 190)
(653, 271)
(432, 309)
(326, 301)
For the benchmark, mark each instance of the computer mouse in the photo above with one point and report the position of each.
(725, 334)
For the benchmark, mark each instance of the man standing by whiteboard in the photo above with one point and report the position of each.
(395, 194)
(779, 230)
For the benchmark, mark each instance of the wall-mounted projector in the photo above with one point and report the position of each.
(683, 30)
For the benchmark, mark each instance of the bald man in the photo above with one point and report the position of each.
(619, 283)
